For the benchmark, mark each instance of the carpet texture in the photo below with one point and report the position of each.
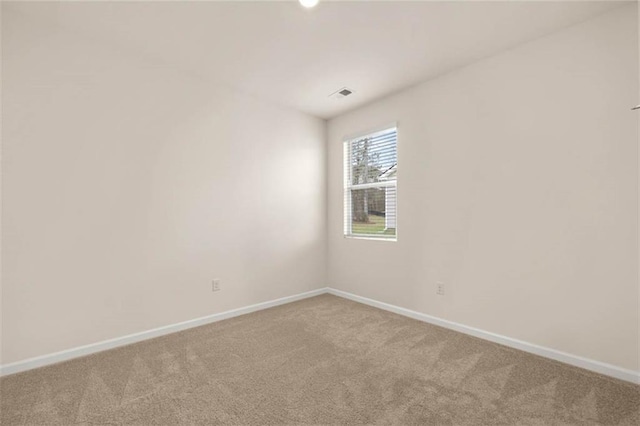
(323, 360)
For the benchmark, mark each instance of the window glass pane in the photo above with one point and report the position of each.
(373, 211)
(374, 158)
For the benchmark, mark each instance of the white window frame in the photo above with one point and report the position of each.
(348, 186)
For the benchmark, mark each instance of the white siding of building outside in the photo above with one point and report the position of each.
(390, 207)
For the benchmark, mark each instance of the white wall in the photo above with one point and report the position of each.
(638, 122)
(1, 162)
(128, 186)
(517, 187)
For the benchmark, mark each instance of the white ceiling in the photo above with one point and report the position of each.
(297, 57)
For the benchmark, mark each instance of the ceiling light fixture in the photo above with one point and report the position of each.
(308, 3)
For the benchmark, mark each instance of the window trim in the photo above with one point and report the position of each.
(348, 187)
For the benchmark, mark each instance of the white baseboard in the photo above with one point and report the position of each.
(41, 361)
(577, 361)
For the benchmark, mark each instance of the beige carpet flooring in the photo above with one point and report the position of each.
(323, 360)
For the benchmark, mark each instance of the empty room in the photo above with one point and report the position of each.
(317, 212)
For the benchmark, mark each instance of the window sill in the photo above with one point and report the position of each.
(369, 237)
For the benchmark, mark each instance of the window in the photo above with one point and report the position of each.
(370, 190)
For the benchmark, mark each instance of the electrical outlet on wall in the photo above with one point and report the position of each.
(440, 288)
(215, 285)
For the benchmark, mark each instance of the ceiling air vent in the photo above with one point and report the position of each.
(342, 93)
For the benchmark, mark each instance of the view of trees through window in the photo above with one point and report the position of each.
(372, 184)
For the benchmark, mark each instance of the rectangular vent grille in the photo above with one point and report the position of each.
(342, 93)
